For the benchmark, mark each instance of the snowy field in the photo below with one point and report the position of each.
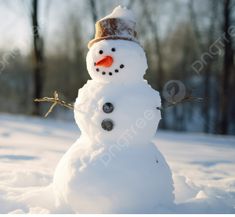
(203, 166)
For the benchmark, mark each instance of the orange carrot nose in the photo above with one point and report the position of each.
(105, 62)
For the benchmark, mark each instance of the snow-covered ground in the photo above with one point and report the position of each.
(203, 165)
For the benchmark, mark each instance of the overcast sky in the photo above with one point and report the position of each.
(15, 29)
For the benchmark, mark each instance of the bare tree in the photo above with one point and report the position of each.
(93, 10)
(227, 69)
(154, 29)
(213, 6)
(38, 57)
(157, 48)
(77, 75)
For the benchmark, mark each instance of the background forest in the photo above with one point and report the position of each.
(189, 44)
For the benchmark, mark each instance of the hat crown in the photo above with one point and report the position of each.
(120, 24)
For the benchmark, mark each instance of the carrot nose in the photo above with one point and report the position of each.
(105, 62)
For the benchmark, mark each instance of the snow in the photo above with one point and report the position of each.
(203, 166)
(121, 13)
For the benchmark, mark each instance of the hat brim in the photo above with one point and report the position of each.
(110, 38)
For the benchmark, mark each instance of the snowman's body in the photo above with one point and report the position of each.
(133, 111)
(114, 167)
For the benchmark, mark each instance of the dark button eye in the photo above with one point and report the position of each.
(100, 52)
(113, 49)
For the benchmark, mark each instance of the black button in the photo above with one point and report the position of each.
(107, 124)
(108, 107)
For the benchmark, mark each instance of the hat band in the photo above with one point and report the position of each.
(112, 38)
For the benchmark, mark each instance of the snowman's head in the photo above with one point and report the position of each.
(116, 61)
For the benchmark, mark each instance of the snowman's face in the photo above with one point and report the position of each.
(116, 61)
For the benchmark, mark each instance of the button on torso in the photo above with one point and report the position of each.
(107, 124)
(108, 107)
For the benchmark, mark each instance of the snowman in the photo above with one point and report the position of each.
(114, 167)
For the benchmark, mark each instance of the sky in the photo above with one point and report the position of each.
(15, 29)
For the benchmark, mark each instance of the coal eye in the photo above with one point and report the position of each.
(113, 49)
(100, 52)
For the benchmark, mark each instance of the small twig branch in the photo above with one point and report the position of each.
(55, 101)
(185, 99)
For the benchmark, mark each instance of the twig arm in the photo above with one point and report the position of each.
(55, 101)
(186, 99)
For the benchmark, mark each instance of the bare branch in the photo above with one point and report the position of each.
(56, 101)
(185, 99)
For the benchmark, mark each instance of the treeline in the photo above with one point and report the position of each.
(190, 50)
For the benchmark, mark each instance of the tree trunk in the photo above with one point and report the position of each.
(93, 11)
(160, 72)
(38, 57)
(206, 71)
(227, 68)
(207, 83)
